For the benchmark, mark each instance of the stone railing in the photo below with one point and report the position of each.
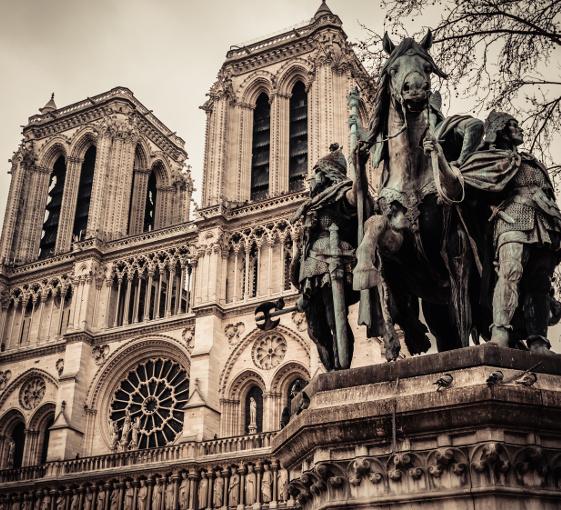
(182, 452)
(229, 472)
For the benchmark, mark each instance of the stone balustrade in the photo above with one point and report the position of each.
(183, 452)
(242, 473)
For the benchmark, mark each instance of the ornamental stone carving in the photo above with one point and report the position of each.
(5, 376)
(268, 351)
(32, 392)
(59, 366)
(233, 332)
(99, 353)
(188, 336)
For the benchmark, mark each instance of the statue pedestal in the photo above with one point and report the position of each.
(386, 436)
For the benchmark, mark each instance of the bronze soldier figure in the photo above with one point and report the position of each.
(526, 232)
(322, 269)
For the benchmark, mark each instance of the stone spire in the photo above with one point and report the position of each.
(50, 106)
(322, 10)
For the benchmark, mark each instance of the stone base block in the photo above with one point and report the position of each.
(477, 428)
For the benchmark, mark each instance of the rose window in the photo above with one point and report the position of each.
(156, 391)
(268, 351)
(32, 392)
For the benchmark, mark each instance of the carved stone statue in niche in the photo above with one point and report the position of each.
(101, 497)
(203, 491)
(157, 495)
(184, 492)
(266, 484)
(252, 428)
(75, 501)
(88, 498)
(125, 431)
(283, 485)
(129, 496)
(218, 491)
(142, 496)
(234, 488)
(250, 486)
(135, 433)
(170, 495)
(114, 439)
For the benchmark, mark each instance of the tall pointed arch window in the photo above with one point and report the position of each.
(261, 148)
(150, 203)
(84, 194)
(253, 411)
(52, 210)
(298, 137)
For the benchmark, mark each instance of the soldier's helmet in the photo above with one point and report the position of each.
(334, 165)
(495, 122)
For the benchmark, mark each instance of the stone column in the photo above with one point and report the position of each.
(193, 477)
(8, 241)
(280, 124)
(127, 304)
(169, 293)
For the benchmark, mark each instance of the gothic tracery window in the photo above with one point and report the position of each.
(261, 148)
(52, 210)
(298, 138)
(84, 194)
(156, 391)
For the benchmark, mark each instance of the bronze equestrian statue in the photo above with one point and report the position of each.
(415, 243)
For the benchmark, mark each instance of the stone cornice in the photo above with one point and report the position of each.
(33, 352)
(144, 328)
(92, 109)
(291, 43)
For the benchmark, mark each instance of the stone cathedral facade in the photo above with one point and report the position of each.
(130, 358)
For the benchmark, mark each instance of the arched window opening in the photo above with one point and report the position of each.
(253, 271)
(46, 433)
(52, 210)
(261, 148)
(287, 253)
(298, 137)
(26, 322)
(254, 411)
(150, 204)
(84, 194)
(16, 444)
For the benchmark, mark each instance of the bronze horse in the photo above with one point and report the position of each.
(416, 245)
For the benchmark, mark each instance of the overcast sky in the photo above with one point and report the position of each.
(166, 51)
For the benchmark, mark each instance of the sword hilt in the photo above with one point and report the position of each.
(265, 312)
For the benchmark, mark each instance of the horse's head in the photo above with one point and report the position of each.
(409, 70)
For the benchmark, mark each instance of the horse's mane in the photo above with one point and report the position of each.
(382, 97)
